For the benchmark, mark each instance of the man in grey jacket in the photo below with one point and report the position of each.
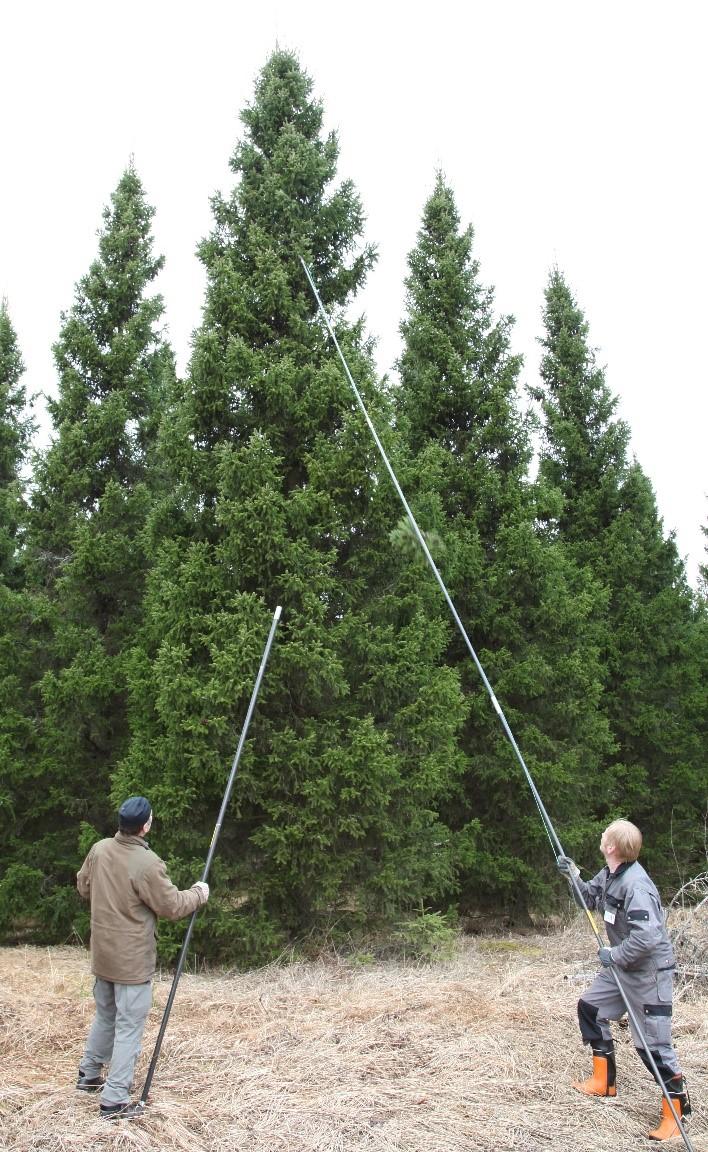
(128, 887)
(640, 948)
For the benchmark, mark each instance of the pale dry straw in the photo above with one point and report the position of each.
(475, 1053)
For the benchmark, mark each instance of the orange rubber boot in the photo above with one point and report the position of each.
(668, 1128)
(602, 1081)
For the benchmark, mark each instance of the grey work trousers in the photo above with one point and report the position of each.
(650, 994)
(115, 1035)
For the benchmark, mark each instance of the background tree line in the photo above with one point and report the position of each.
(140, 565)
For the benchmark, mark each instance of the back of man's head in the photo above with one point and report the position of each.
(133, 814)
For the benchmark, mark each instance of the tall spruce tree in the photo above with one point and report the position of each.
(89, 506)
(703, 568)
(701, 634)
(15, 433)
(275, 500)
(527, 608)
(609, 519)
(20, 884)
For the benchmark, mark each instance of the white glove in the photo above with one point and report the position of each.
(567, 867)
(203, 890)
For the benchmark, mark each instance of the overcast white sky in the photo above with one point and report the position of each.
(572, 133)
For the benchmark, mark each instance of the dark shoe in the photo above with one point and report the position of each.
(95, 1084)
(125, 1111)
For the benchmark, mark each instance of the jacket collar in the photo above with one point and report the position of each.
(128, 838)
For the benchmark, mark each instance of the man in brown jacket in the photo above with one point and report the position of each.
(128, 887)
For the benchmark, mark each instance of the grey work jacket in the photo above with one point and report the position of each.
(633, 917)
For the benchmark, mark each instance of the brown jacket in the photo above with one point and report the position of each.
(128, 887)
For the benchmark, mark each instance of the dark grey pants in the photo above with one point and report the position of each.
(650, 994)
(115, 1036)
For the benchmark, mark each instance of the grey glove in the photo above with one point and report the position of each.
(605, 955)
(203, 889)
(567, 867)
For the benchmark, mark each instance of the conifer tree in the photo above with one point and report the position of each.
(15, 432)
(275, 501)
(701, 640)
(527, 608)
(92, 493)
(19, 884)
(608, 517)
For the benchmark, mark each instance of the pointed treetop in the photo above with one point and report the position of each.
(11, 364)
(284, 205)
(442, 271)
(458, 373)
(282, 98)
(111, 318)
(585, 445)
(111, 362)
(14, 429)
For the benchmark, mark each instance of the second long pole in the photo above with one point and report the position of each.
(210, 856)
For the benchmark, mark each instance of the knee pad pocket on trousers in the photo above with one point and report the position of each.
(664, 985)
(657, 1025)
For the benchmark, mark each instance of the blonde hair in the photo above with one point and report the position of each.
(626, 838)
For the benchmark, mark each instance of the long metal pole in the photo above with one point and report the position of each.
(547, 822)
(210, 857)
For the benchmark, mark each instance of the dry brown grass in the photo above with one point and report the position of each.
(473, 1054)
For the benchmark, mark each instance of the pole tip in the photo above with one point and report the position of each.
(278, 612)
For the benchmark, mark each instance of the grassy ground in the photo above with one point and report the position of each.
(474, 1053)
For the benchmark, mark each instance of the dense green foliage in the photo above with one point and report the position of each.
(17, 627)
(275, 500)
(85, 551)
(528, 609)
(652, 655)
(169, 516)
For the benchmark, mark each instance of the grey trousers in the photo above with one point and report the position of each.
(115, 1036)
(650, 994)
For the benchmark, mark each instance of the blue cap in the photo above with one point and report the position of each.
(134, 812)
